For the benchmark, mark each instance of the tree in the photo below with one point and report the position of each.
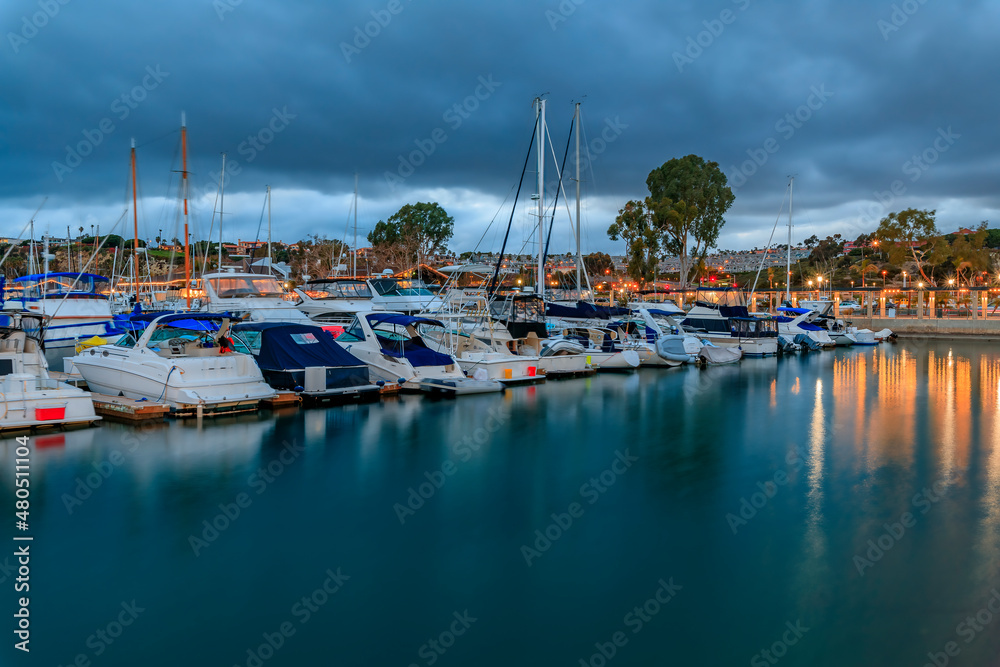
(912, 232)
(419, 230)
(688, 198)
(969, 255)
(642, 240)
(596, 263)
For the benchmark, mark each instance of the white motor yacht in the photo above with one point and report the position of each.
(183, 359)
(799, 324)
(335, 300)
(249, 296)
(402, 295)
(392, 346)
(720, 315)
(29, 398)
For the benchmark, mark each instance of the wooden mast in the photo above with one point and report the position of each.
(135, 223)
(184, 192)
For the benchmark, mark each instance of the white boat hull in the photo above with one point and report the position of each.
(215, 382)
(30, 402)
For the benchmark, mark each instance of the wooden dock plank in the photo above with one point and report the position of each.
(127, 409)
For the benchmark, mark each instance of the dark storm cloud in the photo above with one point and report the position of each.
(438, 96)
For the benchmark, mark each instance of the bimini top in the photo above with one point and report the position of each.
(181, 319)
(797, 311)
(285, 346)
(398, 318)
(64, 274)
(666, 313)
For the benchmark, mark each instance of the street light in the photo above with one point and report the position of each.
(883, 279)
(904, 279)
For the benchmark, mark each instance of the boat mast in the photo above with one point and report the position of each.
(69, 252)
(31, 249)
(222, 206)
(354, 265)
(269, 271)
(579, 256)
(184, 193)
(45, 254)
(788, 262)
(135, 228)
(541, 197)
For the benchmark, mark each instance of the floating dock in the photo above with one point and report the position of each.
(283, 399)
(129, 410)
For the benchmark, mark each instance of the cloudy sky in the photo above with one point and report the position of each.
(872, 106)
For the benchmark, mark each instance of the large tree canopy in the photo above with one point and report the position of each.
(635, 226)
(416, 230)
(912, 233)
(688, 199)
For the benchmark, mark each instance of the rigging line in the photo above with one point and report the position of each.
(155, 139)
(260, 223)
(586, 143)
(475, 248)
(562, 188)
(347, 228)
(781, 208)
(211, 228)
(23, 230)
(85, 267)
(490, 286)
(555, 204)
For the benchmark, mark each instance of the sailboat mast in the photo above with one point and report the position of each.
(541, 199)
(579, 255)
(354, 266)
(269, 271)
(222, 206)
(184, 193)
(788, 262)
(31, 248)
(135, 223)
(69, 252)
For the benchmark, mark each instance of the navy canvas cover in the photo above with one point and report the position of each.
(283, 346)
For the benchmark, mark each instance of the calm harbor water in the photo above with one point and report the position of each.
(832, 509)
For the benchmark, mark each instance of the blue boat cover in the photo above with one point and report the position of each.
(797, 311)
(558, 310)
(43, 276)
(285, 346)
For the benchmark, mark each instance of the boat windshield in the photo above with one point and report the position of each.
(246, 286)
(353, 333)
(247, 342)
(720, 297)
(393, 287)
(167, 332)
(340, 289)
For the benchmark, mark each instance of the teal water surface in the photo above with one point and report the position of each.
(840, 508)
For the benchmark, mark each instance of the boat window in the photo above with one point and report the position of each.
(353, 334)
(167, 333)
(246, 286)
(389, 331)
(385, 286)
(304, 338)
(126, 340)
(247, 342)
(353, 289)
